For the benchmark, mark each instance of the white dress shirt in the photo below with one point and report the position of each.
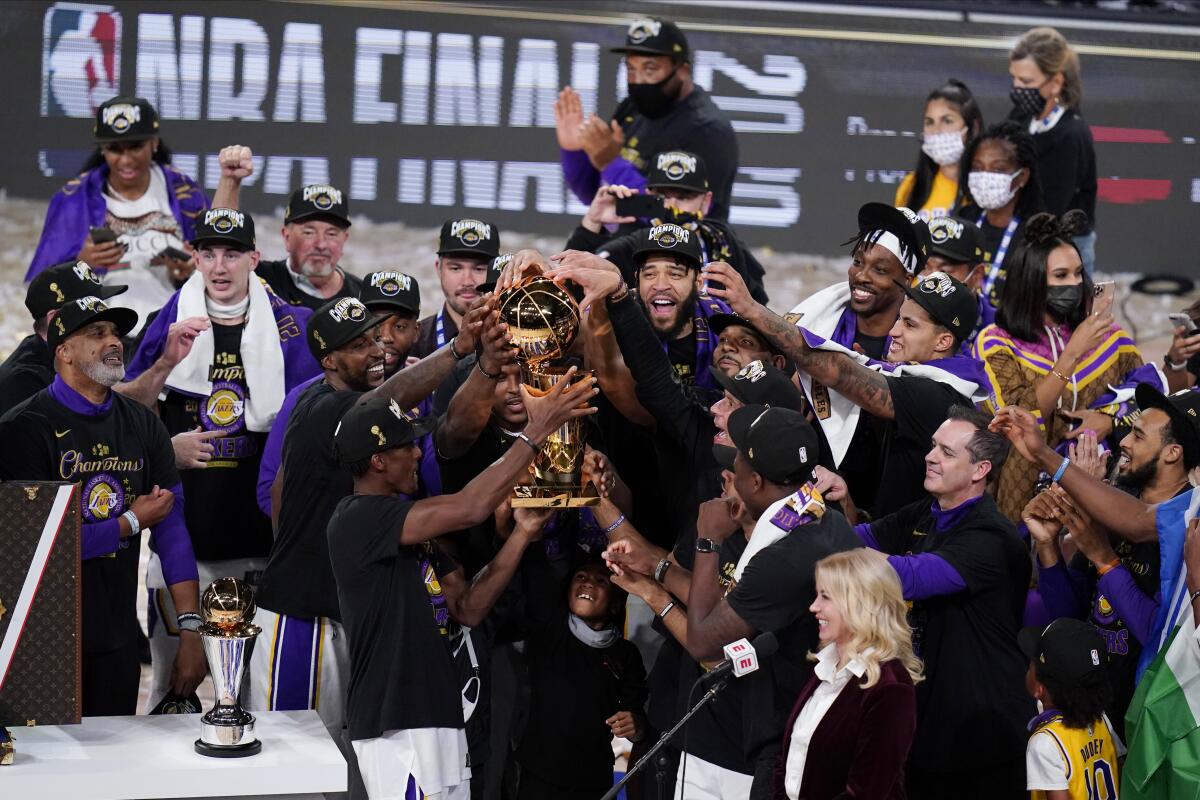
(833, 680)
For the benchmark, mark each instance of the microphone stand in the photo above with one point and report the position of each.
(666, 737)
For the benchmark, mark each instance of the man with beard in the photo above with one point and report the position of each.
(680, 179)
(316, 227)
(303, 664)
(78, 430)
(665, 110)
(1112, 582)
(466, 248)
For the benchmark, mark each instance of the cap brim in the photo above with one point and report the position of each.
(679, 185)
(137, 137)
(1029, 639)
(484, 288)
(724, 455)
(726, 382)
(422, 427)
(390, 306)
(353, 333)
(643, 51)
(640, 256)
(200, 242)
(111, 291)
(329, 215)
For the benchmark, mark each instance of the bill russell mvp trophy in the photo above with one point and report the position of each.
(227, 731)
(543, 319)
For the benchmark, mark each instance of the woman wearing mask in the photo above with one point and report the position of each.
(128, 187)
(1046, 94)
(1000, 184)
(952, 118)
(1073, 370)
(852, 726)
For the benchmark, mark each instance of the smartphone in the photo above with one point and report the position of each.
(1102, 300)
(1185, 321)
(174, 253)
(102, 235)
(643, 206)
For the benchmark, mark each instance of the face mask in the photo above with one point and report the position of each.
(1027, 100)
(991, 190)
(944, 148)
(1063, 301)
(652, 99)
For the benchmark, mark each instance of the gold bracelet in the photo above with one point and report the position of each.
(1061, 377)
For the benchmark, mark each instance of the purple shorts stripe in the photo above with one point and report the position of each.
(412, 791)
(293, 666)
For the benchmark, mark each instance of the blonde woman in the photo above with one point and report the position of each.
(858, 710)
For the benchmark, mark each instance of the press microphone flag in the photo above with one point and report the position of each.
(742, 657)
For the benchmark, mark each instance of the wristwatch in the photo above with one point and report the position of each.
(1171, 365)
(705, 545)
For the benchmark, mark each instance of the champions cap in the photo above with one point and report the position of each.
(1069, 650)
(1183, 407)
(949, 302)
(678, 169)
(956, 239)
(225, 226)
(125, 119)
(760, 383)
(318, 201)
(778, 443)
(60, 283)
(897, 230)
(668, 239)
(337, 323)
(469, 237)
(654, 37)
(83, 311)
(495, 268)
(388, 290)
(374, 425)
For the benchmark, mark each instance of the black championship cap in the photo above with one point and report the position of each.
(374, 425)
(125, 119)
(898, 230)
(469, 237)
(778, 443)
(1183, 407)
(69, 280)
(956, 240)
(337, 323)
(677, 169)
(654, 37)
(671, 240)
(225, 226)
(495, 268)
(761, 384)
(719, 322)
(316, 202)
(1067, 649)
(82, 311)
(388, 290)
(949, 302)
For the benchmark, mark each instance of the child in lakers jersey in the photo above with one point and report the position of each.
(1072, 752)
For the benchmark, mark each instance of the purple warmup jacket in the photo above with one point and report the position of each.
(79, 205)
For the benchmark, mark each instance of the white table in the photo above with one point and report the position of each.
(129, 758)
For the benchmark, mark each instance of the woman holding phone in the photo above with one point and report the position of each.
(128, 213)
(1049, 352)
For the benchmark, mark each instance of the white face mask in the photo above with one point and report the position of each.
(991, 190)
(944, 148)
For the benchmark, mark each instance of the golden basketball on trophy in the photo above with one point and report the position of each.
(543, 320)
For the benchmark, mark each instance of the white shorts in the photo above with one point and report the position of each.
(161, 616)
(416, 764)
(298, 664)
(707, 781)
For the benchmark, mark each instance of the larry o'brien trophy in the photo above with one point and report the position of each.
(543, 320)
(227, 731)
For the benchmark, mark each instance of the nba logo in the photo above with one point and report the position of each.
(81, 58)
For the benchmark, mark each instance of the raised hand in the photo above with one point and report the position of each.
(180, 338)
(732, 289)
(601, 141)
(831, 485)
(568, 118)
(1086, 454)
(1019, 426)
(523, 264)
(472, 325)
(603, 210)
(101, 256)
(565, 401)
(237, 162)
(598, 277)
(497, 344)
(1099, 424)
(194, 449)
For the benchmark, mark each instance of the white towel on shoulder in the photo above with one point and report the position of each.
(821, 312)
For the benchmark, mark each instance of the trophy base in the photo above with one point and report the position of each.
(228, 750)
(554, 497)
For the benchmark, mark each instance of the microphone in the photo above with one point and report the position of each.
(742, 657)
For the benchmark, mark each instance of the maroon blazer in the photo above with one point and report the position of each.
(859, 748)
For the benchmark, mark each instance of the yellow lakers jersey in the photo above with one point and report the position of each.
(1090, 755)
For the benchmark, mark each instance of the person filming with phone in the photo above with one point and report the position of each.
(677, 192)
(1056, 350)
(1181, 364)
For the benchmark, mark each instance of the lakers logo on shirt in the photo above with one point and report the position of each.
(224, 408)
(1103, 612)
(103, 498)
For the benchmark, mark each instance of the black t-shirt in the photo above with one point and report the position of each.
(222, 516)
(696, 125)
(436, 330)
(27, 370)
(682, 352)
(396, 619)
(114, 457)
(776, 589)
(277, 274)
(861, 466)
(298, 580)
(475, 546)
(972, 706)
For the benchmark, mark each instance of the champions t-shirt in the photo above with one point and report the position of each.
(682, 352)
(114, 457)
(396, 618)
(222, 517)
(298, 580)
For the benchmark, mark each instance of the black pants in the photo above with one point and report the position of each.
(110, 682)
(998, 782)
(764, 773)
(533, 787)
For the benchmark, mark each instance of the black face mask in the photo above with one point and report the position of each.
(1063, 301)
(1027, 100)
(652, 99)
